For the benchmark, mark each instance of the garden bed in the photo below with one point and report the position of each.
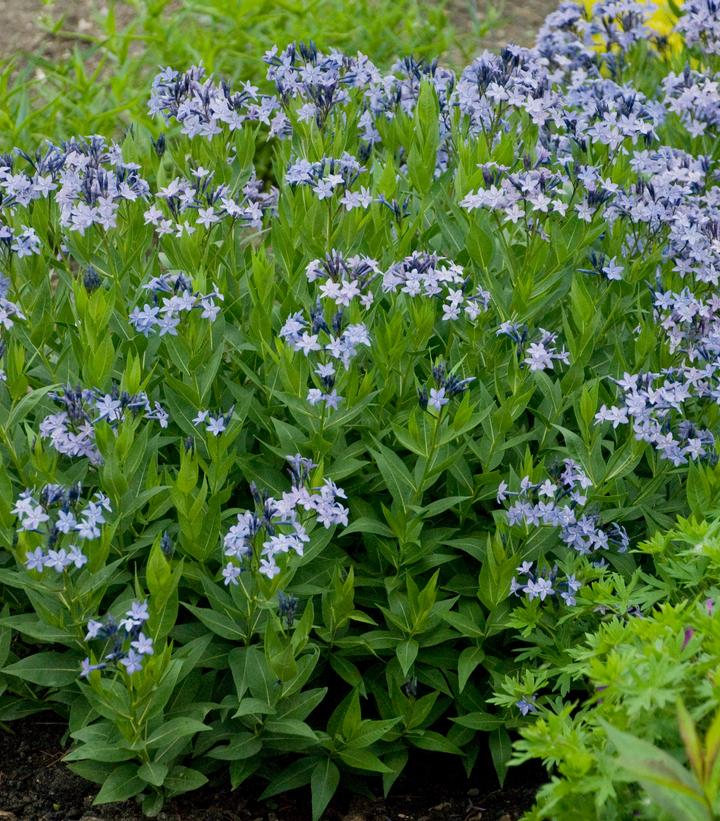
(35, 785)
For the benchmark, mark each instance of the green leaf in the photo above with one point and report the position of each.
(242, 746)
(469, 659)
(50, 669)
(183, 779)
(439, 506)
(371, 731)
(363, 760)
(252, 706)
(153, 772)
(100, 751)
(397, 477)
(122, 783)
(432, 741)
(219, 623)
(479, 721)
(500, 750)
(290, 727)
(364, 524)
(296, 775)
(667, 782)
(26, 405)
(690, 738)
(323, 783)
(173, 729)
(406, 653)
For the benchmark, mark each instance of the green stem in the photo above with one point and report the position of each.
(429, 460)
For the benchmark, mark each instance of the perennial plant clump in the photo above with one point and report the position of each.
(474, 315)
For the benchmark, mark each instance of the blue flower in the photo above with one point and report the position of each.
(132, 661)
(35, 560)
(527, 705)
(143, 645)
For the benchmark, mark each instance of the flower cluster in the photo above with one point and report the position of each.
(214, 424)
(447, 386)
(209, 204)
(538, 356)
(72, 430)
(656, 404)
(203, 107)
(19, 189)
(9, 314)
(536, 585)
(55, 512)
(22, 243)
(326, 176)
(494, 85)
(606, 113)
(275, 528)
(93, 181)
(324, 82)
(164, 319)
(339, 345)
(529, 195)
(320, 81)
(429, 275)
(556, 502)
(342, 279)
(695, 97)
(700, 24)
(128, 644)
(572, 41)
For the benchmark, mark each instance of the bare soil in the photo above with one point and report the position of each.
(35, 785)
